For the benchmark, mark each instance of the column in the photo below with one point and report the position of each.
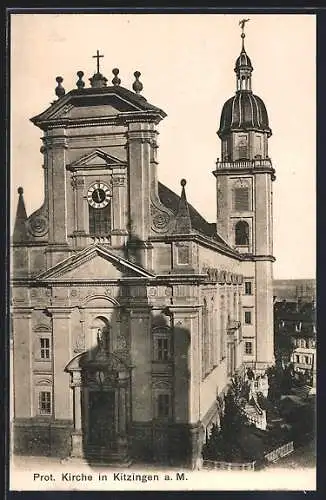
(77, 435)
(122, 413)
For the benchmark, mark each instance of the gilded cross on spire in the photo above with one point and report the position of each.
(98, 56)
(242, 24)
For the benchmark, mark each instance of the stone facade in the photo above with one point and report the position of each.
(129, 309)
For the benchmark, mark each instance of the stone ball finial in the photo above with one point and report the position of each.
(137, 85)
(116, 80)
(80, 83)
(59, 90)
(183, 182)
(20, 190)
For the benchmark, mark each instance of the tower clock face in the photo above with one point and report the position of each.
(98, 195)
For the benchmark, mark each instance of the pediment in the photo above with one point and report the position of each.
(95, 159)
(94, 104)
(94, 263)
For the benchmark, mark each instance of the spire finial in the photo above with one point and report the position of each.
(242, 24)
(183, 219)
(80, 83)
(137, 85)
(20, 233)
(59, 90)
(116, 80)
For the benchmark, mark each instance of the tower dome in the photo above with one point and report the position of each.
(244, 111)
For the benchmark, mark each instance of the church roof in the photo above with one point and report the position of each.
(172, 201)
(120, 98)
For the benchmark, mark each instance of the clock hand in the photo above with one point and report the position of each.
(98, 196)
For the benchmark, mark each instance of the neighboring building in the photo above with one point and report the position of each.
(295, 329)
(130, 311)
(293, 290)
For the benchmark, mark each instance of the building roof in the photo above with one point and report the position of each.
(244, 111)
(120, 98)
(171, 200)
(243, 61)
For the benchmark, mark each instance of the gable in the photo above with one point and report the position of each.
(96, 268)
(95, 159)
(94, 263)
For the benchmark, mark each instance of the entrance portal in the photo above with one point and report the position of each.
(101, 419)
(101, 389)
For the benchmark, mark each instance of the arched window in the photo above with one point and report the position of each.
(100, 220)
(242, 233)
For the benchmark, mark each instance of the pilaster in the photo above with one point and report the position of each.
(61, 355)
(187, 362)
(119, 228)
(22, 362)
(141, 360)
(56, 146)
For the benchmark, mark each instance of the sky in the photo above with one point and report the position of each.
(186, 63)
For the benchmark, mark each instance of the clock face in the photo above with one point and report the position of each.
(98, 195)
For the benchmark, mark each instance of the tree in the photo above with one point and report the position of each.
(235, 440)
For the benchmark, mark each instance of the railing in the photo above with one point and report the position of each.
(280, 452)
(210, 464)
(259, 420)
(244, 164)
(271, 457)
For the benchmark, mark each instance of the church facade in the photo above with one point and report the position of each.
(130, 312)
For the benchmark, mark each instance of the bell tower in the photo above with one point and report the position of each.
(244, 176)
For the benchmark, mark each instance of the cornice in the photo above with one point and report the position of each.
(257, 258)
(247, 171)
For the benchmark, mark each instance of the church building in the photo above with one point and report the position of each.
(131, 312)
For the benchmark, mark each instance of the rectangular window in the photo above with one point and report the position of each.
(163, 405)
(183, 254)
(248, 288)
(163, 351)
(45, 348)
(248, 348)
(248, 317)
(307, 360)
(297, 358)
(241, 199)
(45, 403)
